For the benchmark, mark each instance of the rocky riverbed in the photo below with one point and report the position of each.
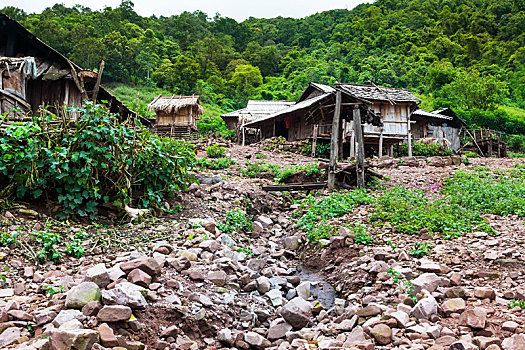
(178, 282)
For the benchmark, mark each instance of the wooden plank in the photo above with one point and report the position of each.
(381, 143)
(314, 141)
(334, 142)
(97, 84)
(360, 159)
(295, 187)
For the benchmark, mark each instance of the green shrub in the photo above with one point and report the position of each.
(215, 151)
(484, 190)
(321, 231)
(7, 239)
(423, 150)
(411, 211)
(516, 143)
(95, 160)
(236, 220)
(314, 211)
(321, 150)
(517, 303)
(361, 236)
(420, 249)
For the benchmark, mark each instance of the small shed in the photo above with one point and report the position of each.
(439, 124)
(176, 115)
(255, 110)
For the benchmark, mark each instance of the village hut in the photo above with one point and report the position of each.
(255, 109)
(34, 75)
(388, 111)
(441, 124)
(176, 115)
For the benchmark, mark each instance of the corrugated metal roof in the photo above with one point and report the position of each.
(325, 88)
(256, 109)
(377, 93)
(294, 108)
(434, 114)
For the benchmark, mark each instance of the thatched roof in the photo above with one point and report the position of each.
(256, 109)
(171, 105)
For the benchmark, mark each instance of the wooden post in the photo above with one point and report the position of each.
(391, 150)
(341, 140)
(243, 135)
(409, 137)
(334, 141)
(352, 144)
(489, 152)
(97, 84)
(360, 159)
(314, 141)
(381, 143)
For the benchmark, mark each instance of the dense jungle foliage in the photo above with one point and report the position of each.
(464, 54)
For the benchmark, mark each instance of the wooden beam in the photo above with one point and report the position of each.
(334, 142)
(97, 84)
(381, 143)
(314, 141)
(360, 159)
(295, 187)
(80, 86)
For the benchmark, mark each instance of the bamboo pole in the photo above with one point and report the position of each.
(99, 79)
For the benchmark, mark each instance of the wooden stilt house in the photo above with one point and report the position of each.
(33, 75)
(176, 115)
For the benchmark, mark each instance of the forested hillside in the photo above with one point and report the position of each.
(466, 54)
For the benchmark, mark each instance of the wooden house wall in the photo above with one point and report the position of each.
(395, 118)
(184, 116)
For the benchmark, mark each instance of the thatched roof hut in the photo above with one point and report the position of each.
(176, 115)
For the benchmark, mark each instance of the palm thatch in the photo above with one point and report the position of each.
(171, 105)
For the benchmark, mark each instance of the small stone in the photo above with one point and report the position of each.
(475, 318)
(9, 336)
(278, 329)
(114, 313)
(303, 290)
(217, 277)
(368, 311)
(456, 305)
(107, 337)
(516, 342)
(146, 264)
(297, 312)
(484, 293)
(82, 294)
(98, 274)
(382, 333)
(78, 339)
(256, 340)
(425, 308)
(427, 281)
(139, 277)
(509, 326)
(92, 308)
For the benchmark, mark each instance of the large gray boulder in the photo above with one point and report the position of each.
(297, 312)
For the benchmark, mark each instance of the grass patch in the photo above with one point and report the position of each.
(253, 169)
(500, 192)
(316, 211)
(215, 164)
(410, 211)
(310, 169)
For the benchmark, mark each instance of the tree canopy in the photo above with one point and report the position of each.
(465, 54)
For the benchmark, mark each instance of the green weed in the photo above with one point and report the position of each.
(215, 151)
(421, 249)
(520, 303)
(236, 220)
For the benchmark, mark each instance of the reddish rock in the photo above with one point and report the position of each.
(107, 337)
(475, 318)
(148, 265)
(114, 313)
(139, 278)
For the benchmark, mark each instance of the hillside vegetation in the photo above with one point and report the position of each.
(466, 54)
